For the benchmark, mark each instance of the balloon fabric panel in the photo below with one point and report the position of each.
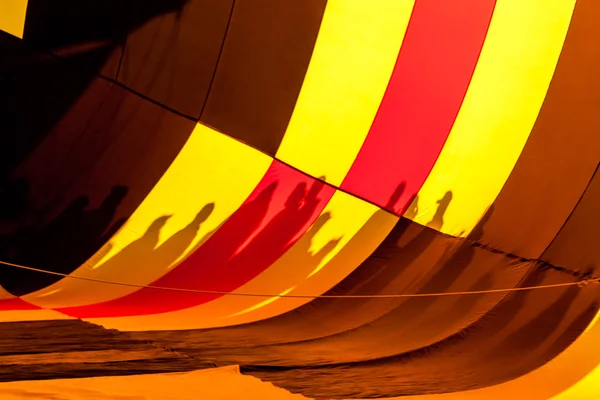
(170, 61)
(562, 152)
(261, 69)
(189, 203)
(348, 74)
(274, 216)
(344, 235)
(432, 73)
(107, 174)
(507, 90)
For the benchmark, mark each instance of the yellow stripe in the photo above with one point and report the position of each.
(211, 168)
(12, 16)
(506, 93)
(347, 232)
(352, 62)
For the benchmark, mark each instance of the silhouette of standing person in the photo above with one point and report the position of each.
(146, 258)
(438, 218)
(395, 197)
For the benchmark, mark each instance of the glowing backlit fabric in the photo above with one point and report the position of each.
(186, 165)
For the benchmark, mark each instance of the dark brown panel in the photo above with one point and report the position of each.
(91, 32)
(577, 246)
(265, 57)
(172, 58)
(563, 149)
(92, 170)
(36, 89)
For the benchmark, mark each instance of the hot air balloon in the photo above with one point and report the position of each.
(328, 199)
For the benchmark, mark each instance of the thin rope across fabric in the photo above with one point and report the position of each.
(582, 283)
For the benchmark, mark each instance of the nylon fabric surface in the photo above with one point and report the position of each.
(348, 74)
(562, 152)
(13, 17)
(432, 73)
(496, 117)
(263, 149)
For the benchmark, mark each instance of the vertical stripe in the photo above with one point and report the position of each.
(505, 95)
(345, 234)
(281, 208)
(351, 65)
(192, 199)
(576, 245)
(261, 69)
(171, 59)
(88, 33)
(12, 16)
(562, 151)
(431, 76)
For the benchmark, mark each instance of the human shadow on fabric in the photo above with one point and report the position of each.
(68, 135)
(257, 332)
(196, 341)
(38, 88)
(299, 263)
(300, 259)
(323, 317)
(438, 218)
(138, 263)
(257, 234)
(395, 322)
(59, 245)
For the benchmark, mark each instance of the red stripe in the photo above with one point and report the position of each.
(429, 82)
(281, 208)
(16, 304)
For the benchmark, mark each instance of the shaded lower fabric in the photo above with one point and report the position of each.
(380, 347)
(377, 347)
(56, 349)
(523, 332)
(413, 259)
